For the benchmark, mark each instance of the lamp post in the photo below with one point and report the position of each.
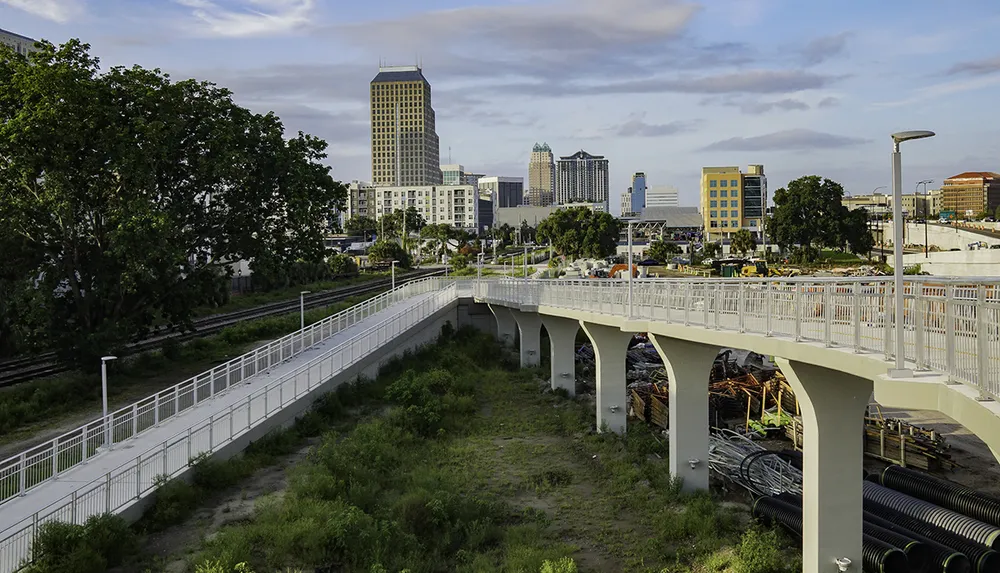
(393, 270)
(924, 183)
(302, 309)
(480, 271)
(878, 220)
(104, 394)
(524, 263)
(900, 370)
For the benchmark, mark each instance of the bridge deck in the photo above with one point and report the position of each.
(17, 511)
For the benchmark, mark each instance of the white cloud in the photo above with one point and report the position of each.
(943, 89)
(56, 10)
(250, 17)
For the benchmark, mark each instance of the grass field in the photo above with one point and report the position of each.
(455, 460)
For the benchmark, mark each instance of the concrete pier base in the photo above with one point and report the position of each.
(529, 326)
(505, 324)
(562, 345)
(688, 366)
(610, 345)
(833, 408)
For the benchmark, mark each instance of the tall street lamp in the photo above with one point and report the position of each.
(926, 213)
(104, 394)
(524, 263)
(302, 309)
(480, 261)
(900, 370)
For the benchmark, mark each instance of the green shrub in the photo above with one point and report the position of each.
(103, 541)
(171, 349)
(758, 552)
(564, 565)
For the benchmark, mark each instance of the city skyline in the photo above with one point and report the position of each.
(731, 83)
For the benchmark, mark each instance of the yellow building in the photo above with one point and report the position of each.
(722, 200)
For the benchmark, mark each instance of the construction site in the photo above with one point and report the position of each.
(931, 490)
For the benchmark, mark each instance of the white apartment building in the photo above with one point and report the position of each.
(21, 44)
(360, 200)
(662, 196)
(626, 201)
(455, 205)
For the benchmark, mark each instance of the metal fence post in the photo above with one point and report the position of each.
(211, 433)
(982, 342)
(156, 410)
(949, 331)
(55, 458)
(741, 307)
(135, 419)
(23, 473)
(768, 308)
(797, 299)
(230, 421)
(856, 310)
(72, 508)
(107, 492)
(888, 324)
(828, 316)
(138, 477)
(919, 320)
(189, 444)
(249, 408)
(166, 472)
(83, 444)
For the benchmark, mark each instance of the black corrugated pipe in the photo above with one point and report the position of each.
(947, 494)
(881, 557)
(983, 559)
(918, 554)
(878, 556)
(962, 525)
(944, 558)
(873, 477)
(776, 512)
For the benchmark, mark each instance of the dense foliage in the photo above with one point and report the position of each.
(743, 242)
(809, 213)
(124, 196)
(663, 251)
(580, 232)
(387, 251)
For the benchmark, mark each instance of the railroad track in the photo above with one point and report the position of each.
(21, 370)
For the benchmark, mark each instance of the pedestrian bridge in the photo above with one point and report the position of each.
(833, 339)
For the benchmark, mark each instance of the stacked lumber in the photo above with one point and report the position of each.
(648, 402)
(906, 445)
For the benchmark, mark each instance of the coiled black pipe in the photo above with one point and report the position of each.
(961, 525)
(877, 556)
(947, 494)
(918, 554)
(944, 558)
(983, 559)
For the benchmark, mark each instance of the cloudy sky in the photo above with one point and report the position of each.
(661, 86)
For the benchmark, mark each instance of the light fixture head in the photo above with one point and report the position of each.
(108, 358)
(902, 136)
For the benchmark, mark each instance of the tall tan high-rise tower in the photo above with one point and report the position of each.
(404, 143)
(541, 176)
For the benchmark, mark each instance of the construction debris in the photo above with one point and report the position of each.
(904, 444)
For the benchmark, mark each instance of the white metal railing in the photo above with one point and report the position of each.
(952, 325)
(128, 483)
(34, 466)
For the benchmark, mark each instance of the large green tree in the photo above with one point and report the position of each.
(809, 212)
(663, 251)
(579, 232)
(360, 225)
(125, 196)
(743, 242)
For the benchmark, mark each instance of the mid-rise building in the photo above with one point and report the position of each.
(662, 196)
(455, 205)
(505, 191)
(531, 215)
(917, 205)
(726, 202)
(471, 179)
(638, 195)
(541, 175)
(582, 177)
(971, 193)
(404, 141)
(453, 174)
(626, 203)
(754, 199)
(21, 44)
(360, 200)
(538, 197)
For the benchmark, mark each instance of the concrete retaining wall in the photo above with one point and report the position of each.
(981, 263)
(945, 237)
(460, 313)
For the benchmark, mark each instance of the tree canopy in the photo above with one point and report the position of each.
(580, 232)
(663, 251)
(809, 213)
(743, 242)
(360, 225)
(126, 195)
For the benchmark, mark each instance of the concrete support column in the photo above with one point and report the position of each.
(505, 324)
(562, 345)
(610, 345)
(688, 366)
(529, 325)
(833, 407)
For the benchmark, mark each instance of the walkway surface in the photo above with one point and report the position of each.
(16, 511)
